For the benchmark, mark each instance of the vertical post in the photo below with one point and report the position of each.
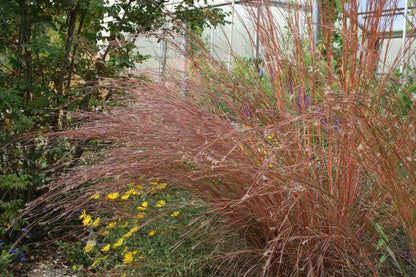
(315, 20)
(185, 63)
(406, 3)
(230, 50)
(259, 13)
(211, 50)
(162, 53)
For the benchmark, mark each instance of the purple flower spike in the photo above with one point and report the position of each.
(247, 112)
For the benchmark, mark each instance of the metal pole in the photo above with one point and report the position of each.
(231, 37)
(163, 48)
(185, 63)
(211, 50)
(406, 3)
(259, 10)
(315, 20)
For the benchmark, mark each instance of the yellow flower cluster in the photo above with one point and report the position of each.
(139, 217)
(128, 257)
(131, 231)
(88, 248)
(106, 248)
(143, 207)
(111, 225)
(88, 221)
(119, 242)
(115, 246)
(130, 192)
(95, 196)
(112, 196)
(174, 214)
(160, 203)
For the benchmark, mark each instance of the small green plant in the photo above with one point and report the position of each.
(9, 255)
(75, 254)
(5, 260)
(384, 243)
(11, 201)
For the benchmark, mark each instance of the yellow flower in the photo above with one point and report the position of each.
(133, 192)
(87, 219)
(174, 214)
(103, 233)
(152, 233)
(74, 267)
(83, 214)
(128, 234)
(124, 275)
(143, 206)
(88, 248)
(96, 222)
(128, 257)
(106, 248)
(95, 263)
(162, 186)
(95, 195)
(124, 225)
(125, 196)
(160, 203)
(119, 242)
(139, 216)
(111, 225)
(134, 229)
(112, 196)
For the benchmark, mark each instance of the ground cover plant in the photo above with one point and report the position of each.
(305, 169)
(146, 233)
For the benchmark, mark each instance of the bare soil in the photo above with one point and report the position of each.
(46, 262)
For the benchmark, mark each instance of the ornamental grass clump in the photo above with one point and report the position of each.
(306, 168)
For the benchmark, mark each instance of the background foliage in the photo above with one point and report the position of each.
(53, 55)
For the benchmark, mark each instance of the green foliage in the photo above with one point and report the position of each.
(11, 203)
(74, 252)
(384, 243)
(8, 256)
(5, 260)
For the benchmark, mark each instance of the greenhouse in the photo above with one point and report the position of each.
(236, 38)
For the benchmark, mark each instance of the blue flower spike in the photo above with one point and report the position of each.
(25, 231)
(21, 256)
